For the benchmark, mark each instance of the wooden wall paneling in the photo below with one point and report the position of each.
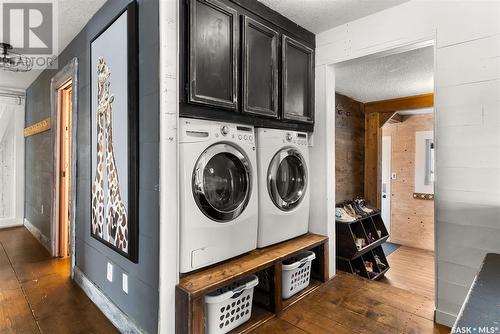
(349, 148)
(410, 217)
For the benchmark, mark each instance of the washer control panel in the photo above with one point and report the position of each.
(242, 133)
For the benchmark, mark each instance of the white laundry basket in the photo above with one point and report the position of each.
(296, 273)
(230, 306)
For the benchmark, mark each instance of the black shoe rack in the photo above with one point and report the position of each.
(352, 259)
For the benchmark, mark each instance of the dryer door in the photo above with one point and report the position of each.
(222, 182)
(287, 179)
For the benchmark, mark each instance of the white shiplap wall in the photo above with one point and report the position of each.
(467, 104)
(169, 189)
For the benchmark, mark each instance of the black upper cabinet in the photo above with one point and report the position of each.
(213, 65)
(245, 63)
(260, 69)
(297, 81)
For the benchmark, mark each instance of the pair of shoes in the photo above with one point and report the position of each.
(362, 205)
(351, 211)
(360, 242)
(342, 216)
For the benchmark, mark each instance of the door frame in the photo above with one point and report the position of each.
(68, 73)
(389, 158)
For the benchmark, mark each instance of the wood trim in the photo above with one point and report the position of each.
(402, 103)
(42, 126)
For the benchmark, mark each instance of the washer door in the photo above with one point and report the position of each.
(287, 179)
(222, 182)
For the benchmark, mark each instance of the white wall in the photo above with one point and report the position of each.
(169, 188)
(467, 129)
(11, 162)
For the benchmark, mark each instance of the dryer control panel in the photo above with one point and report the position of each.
(296, 138)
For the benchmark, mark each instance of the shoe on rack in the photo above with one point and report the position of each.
(380, 264)
(342, 216)
(351, 212)
(361, 203)
(358, 210)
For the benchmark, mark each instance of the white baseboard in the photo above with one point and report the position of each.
(10, 222)
(38, 235)
(445, 318)
(110, 310)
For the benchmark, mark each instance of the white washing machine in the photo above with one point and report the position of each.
(218, 185)
(282, 160)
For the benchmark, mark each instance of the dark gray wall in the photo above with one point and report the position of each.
(141, 303)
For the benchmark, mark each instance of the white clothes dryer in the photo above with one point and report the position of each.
(282, 160)
(218, 188)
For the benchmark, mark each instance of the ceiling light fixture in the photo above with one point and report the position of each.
(11, 61)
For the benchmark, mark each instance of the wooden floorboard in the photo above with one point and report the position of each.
(412, 269)
(37, 294)
(403, 302)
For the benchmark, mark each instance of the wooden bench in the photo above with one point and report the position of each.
(190, 292)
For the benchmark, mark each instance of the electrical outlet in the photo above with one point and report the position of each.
(109, 272)
(125, 283)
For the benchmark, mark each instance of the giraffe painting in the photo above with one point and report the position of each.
(114, 136)
(109, 214)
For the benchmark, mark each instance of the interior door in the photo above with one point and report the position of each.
(386, 181)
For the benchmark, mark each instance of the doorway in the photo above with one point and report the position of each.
(384, 150)
(385, 206)
(64, 97)
(64, 108)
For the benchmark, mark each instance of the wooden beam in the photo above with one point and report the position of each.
(373, 140)
(403, 103)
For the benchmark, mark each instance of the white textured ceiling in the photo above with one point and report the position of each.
(399, 75)
(72, 17)
(320, 15)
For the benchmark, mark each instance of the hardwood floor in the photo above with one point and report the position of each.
(350, 304)
(412, 269)
(37, 294)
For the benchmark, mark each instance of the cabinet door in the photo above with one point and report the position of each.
(213, 59)
(260, 69)
(298, 85)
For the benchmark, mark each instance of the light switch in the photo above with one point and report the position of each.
(393, 176)
(125, 283)
(109, 273)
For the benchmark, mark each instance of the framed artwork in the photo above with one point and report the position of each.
(114, 134)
